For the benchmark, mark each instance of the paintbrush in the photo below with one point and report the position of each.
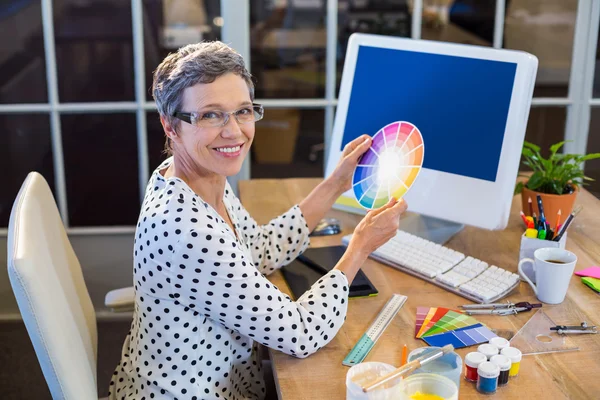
(409, 368)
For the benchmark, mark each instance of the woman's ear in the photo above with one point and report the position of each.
(168, 128)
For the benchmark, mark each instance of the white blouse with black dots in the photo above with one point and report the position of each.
(202, 301)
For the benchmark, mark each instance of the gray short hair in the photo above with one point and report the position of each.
(192, 64)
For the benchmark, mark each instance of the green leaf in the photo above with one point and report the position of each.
(535, 181)
(527, 152)
(531, 146)
(555, 147)
(519, 187)
(552, 175)
(590, 156)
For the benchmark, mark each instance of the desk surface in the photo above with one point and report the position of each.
(572, 375)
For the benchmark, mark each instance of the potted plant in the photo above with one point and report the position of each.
(557, 179)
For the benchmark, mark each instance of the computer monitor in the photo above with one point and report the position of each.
(471, 105)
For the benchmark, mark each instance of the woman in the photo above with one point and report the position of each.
(202, 303)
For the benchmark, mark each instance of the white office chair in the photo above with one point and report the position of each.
(48, 284)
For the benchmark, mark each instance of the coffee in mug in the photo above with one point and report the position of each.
(553, 268)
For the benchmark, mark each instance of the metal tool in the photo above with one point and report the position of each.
(583, 328)
(499, 308)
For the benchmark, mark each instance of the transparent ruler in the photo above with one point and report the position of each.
(368, 340)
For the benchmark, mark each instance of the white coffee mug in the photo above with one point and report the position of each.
(553, 269)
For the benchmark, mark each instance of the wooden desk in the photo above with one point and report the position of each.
(572, 375)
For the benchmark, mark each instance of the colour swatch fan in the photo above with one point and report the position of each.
(390, 166)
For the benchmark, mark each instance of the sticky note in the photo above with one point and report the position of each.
(592, 282)
(593, 272)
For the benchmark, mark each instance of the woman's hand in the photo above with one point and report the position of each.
(341, 178)
(377, 227)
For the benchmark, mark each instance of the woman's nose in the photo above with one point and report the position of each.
(232, 128)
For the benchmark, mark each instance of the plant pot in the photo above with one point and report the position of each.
(551, 202)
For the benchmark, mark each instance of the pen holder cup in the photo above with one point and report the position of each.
(530, 245)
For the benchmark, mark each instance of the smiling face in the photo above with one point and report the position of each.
(215, 150)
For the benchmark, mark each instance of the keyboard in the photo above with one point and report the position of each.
(466, 276)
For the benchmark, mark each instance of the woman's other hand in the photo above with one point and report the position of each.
(342, 175)
(377, 227)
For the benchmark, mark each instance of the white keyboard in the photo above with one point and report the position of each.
(444, 267)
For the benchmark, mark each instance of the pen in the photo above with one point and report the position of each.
(542, 215)
(542, 234)
(530, 224)
(535, 224)
(568, 221)
(549, 234)
(531, 233)
(403, 355)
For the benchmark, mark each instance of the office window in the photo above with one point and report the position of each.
(545, 28)
(171, 24)
(22, 66)
(596, 84)
(592, 168)
(287, 48)
(101, 168)
(94, 50)
(25, 146)
(289, 143)
(545, 127)
(381, 17)
(460, 21)
(156, 141)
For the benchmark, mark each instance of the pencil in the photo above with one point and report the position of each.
(558, 215)
(404, 355)
(530, 207)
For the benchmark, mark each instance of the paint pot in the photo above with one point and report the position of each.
(487, 380)
(364, 373)
(504, 364)
(449, 365)
(488, 350)
(426, 386)
(515, 356)
(472, 361)
(499, 342)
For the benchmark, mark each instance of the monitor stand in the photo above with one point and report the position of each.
(430, 228)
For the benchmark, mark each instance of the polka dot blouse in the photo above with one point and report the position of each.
(202, 302)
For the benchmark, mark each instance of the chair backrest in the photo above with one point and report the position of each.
(48, 284)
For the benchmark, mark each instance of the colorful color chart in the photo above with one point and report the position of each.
(434, 315)
(422, 316)
(451, 321)
(390, 166)
(439, 326)
(462, 337)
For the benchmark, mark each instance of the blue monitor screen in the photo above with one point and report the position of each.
(459, 104)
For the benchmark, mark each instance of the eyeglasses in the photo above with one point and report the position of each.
(212, 119)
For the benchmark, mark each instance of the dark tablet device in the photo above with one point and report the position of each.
(305, 270)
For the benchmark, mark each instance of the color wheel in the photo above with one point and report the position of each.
(390, 166)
